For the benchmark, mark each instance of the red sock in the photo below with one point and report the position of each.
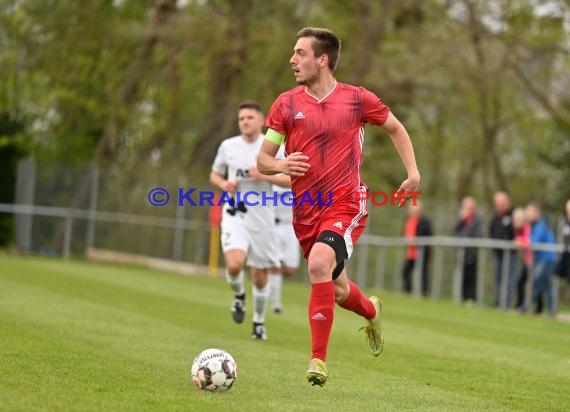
(358, 303)
(321, 311)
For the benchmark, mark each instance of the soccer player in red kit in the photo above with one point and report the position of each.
(321, 123)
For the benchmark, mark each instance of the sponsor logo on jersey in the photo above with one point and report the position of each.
(242, 173)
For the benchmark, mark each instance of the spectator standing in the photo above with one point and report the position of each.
(501, 228)
(563, 266)
(469, 225)
(417, 225)
(543, 261)
(521, 228)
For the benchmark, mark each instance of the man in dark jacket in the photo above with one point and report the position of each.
(469, 225)
(563, 266)
(501, 228)
(416, 225)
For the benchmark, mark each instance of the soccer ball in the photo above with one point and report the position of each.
(214, 370)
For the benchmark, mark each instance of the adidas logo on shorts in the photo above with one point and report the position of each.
(338, 224)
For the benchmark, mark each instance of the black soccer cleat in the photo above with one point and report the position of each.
(238, 308)
(258, 332)
(277, 311)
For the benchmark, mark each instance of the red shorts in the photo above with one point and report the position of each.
(348, 220)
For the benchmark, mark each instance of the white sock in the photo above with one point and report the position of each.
(260, 296)
(275, 286)
(236, 283)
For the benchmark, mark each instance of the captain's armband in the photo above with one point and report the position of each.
(274, 137)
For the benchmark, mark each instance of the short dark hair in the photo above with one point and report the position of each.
(251, 105)
(324, 42)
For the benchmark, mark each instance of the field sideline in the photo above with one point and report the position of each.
(84, 336)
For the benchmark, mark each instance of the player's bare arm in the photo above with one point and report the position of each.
(294, 164)
(225, 185)
(403, 145)
(279, 179)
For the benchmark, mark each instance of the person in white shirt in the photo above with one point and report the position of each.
(288, 245)
(247, 229)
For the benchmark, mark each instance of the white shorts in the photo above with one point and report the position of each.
(260, 247)
(289, 252)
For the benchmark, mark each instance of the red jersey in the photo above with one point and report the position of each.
(330, 132)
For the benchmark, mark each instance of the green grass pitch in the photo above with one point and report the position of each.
(84, 336)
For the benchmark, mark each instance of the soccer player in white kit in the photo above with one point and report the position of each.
(287, 243)
(247, 233)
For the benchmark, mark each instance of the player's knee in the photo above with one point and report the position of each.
(259, 282)
(259, 277)
(319, 269)
(234, 267)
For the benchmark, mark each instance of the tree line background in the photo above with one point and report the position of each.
(483, 86)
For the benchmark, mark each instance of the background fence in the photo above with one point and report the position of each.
(65, 211)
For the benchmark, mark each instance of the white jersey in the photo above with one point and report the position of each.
(284, 212)
(283, 209)
(235, 157)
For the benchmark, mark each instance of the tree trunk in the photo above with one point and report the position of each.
(106, 148)
(226, 71)
(107, 145)
(161, 136)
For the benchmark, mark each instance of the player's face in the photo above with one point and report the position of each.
(250, 122)
(306, 67)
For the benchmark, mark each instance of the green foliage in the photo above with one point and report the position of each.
(480, 85)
